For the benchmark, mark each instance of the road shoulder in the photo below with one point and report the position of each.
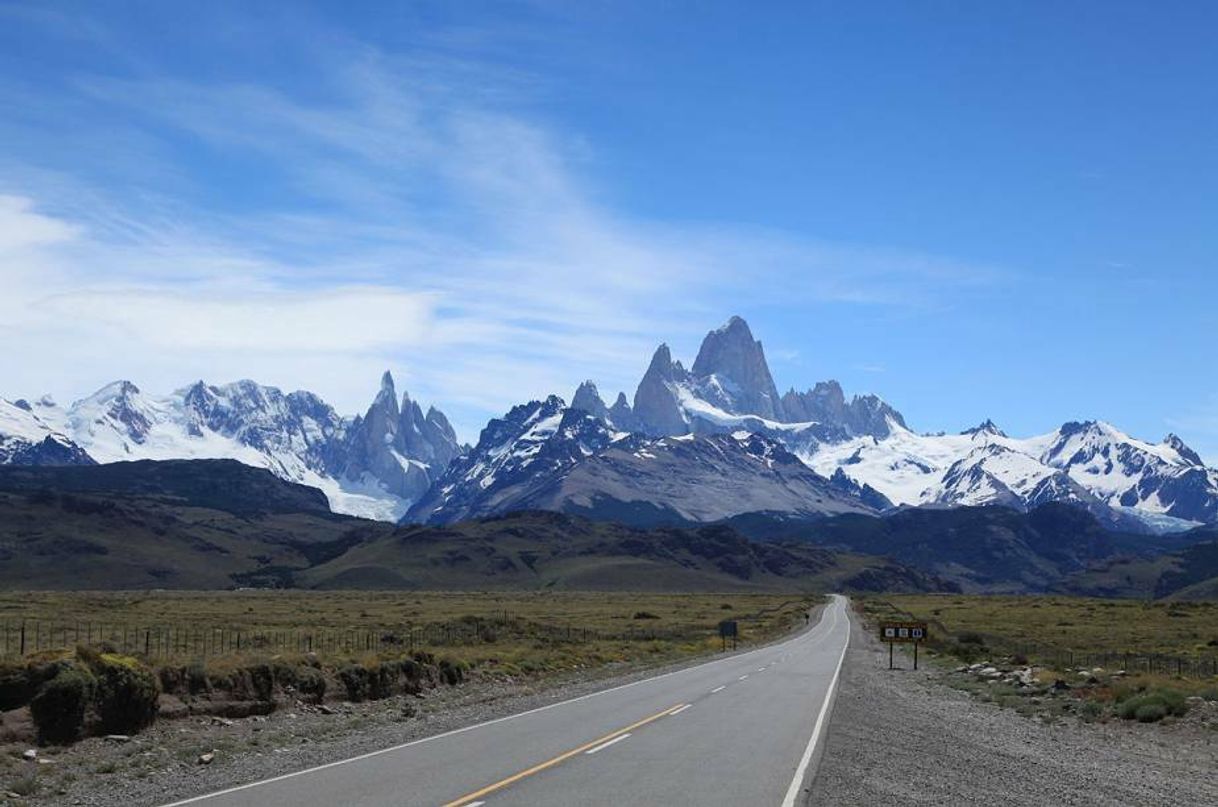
(904, 737)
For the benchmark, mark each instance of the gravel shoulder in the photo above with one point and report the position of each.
(162, 765)
(906, 737)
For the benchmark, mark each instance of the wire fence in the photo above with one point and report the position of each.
(169, 641)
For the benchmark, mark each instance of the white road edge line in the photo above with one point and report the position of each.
(718, 689)
(679, 710)
(806, 759)
(421, 740)
(475, 804)
(602, 746)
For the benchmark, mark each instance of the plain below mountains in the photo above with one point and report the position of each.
(213, 524)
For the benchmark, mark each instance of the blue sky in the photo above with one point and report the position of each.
(975, 210)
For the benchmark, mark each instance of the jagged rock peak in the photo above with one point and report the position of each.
(115, 389)
(588, 399)
(1180, 447)
(986, 427)
(387, 385)
(656, 410)
(661, 363)
(731, 354)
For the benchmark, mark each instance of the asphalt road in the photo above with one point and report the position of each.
(743, 730)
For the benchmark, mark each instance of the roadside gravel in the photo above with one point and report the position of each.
(905, 737)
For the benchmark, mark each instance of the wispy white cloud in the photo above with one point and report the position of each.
(412, 217)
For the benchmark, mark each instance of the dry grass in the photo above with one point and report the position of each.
(1048, 630)
(532, 640)
(1082, 625)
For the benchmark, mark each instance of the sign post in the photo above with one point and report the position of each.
(728, 630)
(903, 633)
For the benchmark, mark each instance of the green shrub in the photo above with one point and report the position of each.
(126, 694)
(171, 678)
(382, 679)
(970, 637)
(1150, 712)
(311, 683)
(355, 679)
(261, 681)
(1152, 705)
(285, 674)
(58, 709)
(197, 682)
(412, 670)
(452, 673)
(16, 688)
(1090, 710)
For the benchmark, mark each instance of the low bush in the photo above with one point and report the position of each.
(1150, 712)
(452, 672)
(125, 694)
(311, 683)
(197, 682)
(284, 674)
(355, 679)
(1090, 710)
(16, 689)
(1152, 705)
(262, 681)
(382, 679)
(58, 709)
(645, 615)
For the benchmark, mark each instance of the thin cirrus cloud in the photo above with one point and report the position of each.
(401, 225)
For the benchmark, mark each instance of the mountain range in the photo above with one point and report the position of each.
(703, 444)
(372, 465)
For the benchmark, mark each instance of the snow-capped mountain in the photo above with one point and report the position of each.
(26, 439)
(1117, 477)
(545, 455)
(730, 387)
(375, 465)
(1126, 482)
(695, 444)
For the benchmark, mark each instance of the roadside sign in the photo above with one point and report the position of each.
(903, 633)
(728, 630)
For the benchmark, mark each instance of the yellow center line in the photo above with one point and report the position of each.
(550, 763)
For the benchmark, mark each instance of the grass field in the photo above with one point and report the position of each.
(1081, 625)
(1115, 654)
(514, 632)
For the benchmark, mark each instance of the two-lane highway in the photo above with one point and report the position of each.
(740, 730)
